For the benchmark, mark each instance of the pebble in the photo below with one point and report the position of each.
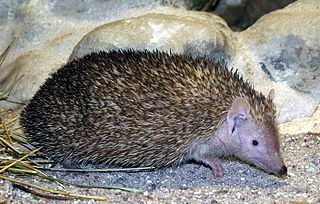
(291, 174)
(146, 193)
(311, 170)
(289, 139)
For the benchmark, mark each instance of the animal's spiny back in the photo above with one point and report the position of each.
(133, 108)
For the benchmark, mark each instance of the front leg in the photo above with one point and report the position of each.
(203, 152)
(216, 165)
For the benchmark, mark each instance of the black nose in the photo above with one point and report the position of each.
(283, 170)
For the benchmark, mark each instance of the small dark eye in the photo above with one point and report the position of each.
(255, 142)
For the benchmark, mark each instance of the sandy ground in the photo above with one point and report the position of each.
(193, 183)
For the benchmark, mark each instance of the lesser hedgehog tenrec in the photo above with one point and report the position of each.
(141, 108)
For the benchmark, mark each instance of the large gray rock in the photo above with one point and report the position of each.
(285, 46)
(287, 43)
(164, 28)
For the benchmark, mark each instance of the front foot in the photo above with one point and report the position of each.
(216, 165)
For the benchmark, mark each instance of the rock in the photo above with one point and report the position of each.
(289, 55)
(302, 125)
(164, 28)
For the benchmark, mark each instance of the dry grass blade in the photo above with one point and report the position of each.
(37, 193)
(8, 144)
(4, 94)
(75, 195)
(22, 171)
(132, 190)
(99, 170)
(22, 158)
(313, 133)
(6, 51)
(3, 201)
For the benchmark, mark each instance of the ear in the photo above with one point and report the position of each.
(271, 94)
(239, 110)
